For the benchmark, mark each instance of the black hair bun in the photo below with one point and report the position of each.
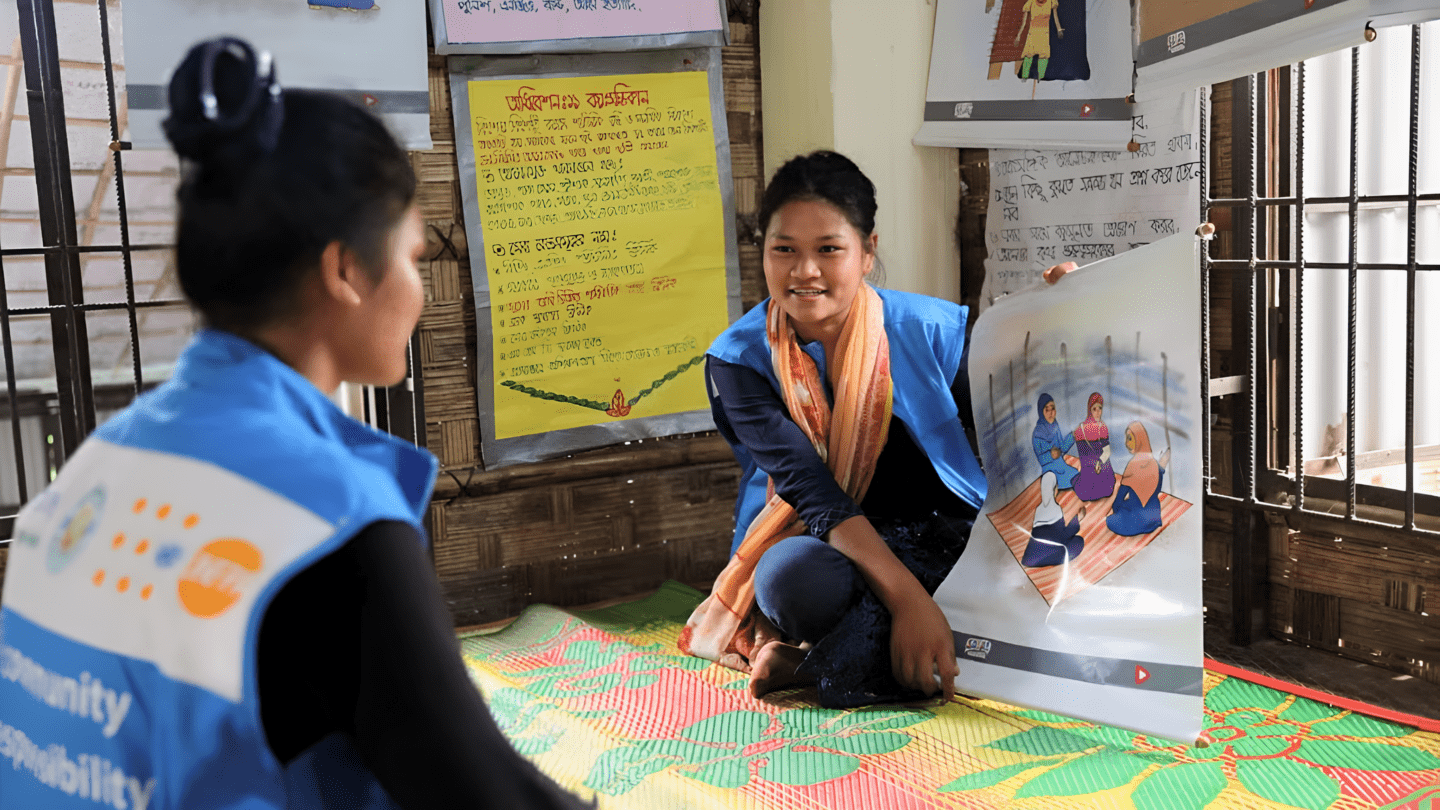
(827, 160)
(225, 104)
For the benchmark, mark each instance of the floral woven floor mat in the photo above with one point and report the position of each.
(606, 705)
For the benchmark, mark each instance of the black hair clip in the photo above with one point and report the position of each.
(264, 91)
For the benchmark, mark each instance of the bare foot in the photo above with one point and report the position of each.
(774, 668)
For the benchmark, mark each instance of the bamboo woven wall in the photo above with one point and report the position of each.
(1363, 595)
(601, 524)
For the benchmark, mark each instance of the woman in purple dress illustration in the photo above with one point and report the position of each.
(1092, 445)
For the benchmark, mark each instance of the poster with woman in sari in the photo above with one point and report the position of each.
(1039, 74)
(1032, 34)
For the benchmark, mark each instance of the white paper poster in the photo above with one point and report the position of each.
(373, 53)
(1081, 205)
(1079, 592)
(1037, 73)
(1196, 43)
(575, 26)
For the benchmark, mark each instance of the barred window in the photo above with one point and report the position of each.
(91, 312)
(1333, 228)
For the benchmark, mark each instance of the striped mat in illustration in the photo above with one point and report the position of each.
(1104, 550)
(604, 703)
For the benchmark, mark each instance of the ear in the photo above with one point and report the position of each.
(870, 257)
(341, 275)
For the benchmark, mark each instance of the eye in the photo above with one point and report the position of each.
(830, 248)
(782, 249)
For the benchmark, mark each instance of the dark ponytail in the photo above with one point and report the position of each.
(827, 176)
(269, 178)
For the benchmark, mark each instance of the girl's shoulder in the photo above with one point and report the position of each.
(746, 336)
(907, 307)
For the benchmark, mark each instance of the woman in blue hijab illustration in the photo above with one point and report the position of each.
(1054, 447)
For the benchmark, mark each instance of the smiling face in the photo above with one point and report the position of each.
(815, 261)
(1050, 412)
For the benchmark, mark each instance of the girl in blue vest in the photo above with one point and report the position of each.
(229, 580)
(846, 409)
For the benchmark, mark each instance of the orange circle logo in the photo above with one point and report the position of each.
(215, 578)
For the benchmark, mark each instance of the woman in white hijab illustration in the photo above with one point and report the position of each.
(1053, 539)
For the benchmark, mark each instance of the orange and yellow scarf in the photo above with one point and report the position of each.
(849, 439)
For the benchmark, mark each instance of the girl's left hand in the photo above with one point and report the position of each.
(1054, 272)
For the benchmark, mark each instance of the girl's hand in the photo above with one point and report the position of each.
(920, 639)
(1054, 452)
(1054, 272)
(921, 644)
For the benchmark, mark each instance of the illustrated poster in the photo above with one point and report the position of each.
(1037, 73)
(1082, 205)
(372, 53)
(1079, 591)
(574, 26)
(601, 263)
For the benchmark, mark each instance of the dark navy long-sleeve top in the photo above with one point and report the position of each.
(750, 413)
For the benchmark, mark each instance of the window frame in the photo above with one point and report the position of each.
(71, 409)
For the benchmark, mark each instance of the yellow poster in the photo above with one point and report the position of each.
(604, 238)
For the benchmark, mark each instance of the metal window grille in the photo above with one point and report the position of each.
(1330, 197)
(90, 310)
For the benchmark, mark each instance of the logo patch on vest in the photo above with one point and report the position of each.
(216, 576)
(76, 530)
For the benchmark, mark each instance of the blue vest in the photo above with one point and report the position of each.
(927, 339)
(137, 582)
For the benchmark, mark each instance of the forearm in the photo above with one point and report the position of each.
(750, 415)
(922, 649)
(891, 581)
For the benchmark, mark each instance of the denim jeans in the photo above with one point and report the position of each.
(804, 586)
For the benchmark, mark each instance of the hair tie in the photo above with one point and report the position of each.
(262, 104)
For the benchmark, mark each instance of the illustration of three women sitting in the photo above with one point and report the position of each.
(1080, 461)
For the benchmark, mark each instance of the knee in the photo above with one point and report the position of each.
(804, 586)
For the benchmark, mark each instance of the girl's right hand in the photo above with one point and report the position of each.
(922, 644)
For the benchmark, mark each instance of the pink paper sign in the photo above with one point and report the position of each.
(485, 21)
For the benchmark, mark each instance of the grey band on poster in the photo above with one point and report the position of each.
(385, 102)
(536, 447)
(1244, 20)
(1146, 676)
(648, 42)
(1101, 109)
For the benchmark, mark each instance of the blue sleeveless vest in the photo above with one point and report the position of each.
(137, 582)
(927, 339)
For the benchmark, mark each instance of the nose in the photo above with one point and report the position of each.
(806, 268)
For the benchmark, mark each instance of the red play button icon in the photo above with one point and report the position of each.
(1141, 674)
